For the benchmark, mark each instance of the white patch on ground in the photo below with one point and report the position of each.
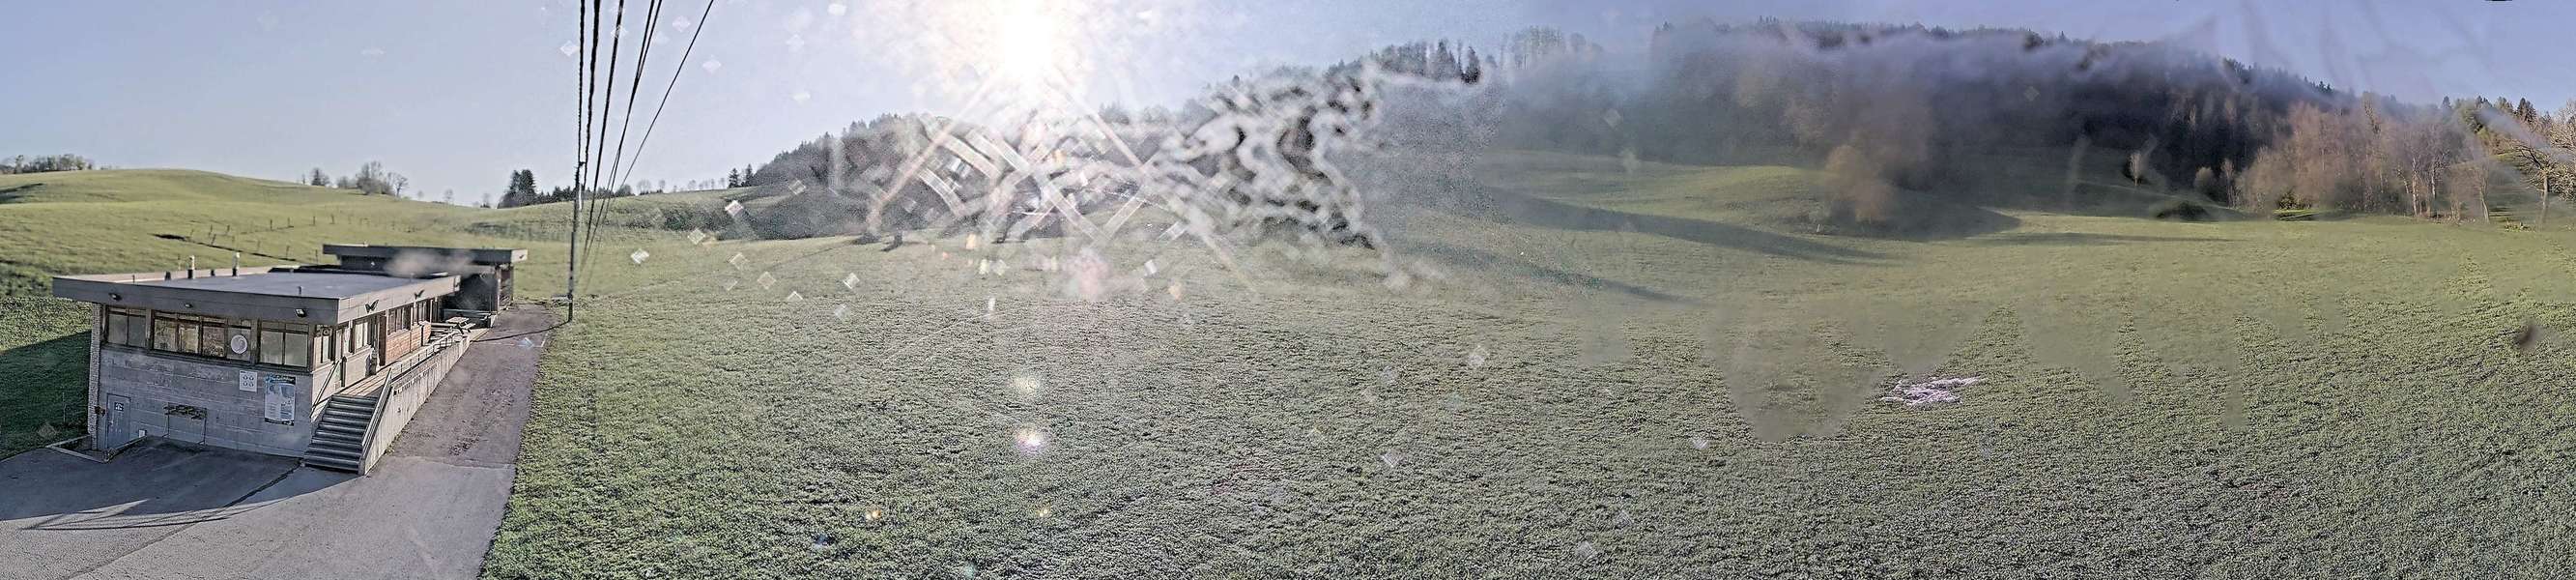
(1932, 392)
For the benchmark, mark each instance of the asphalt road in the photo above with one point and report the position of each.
(162, 511)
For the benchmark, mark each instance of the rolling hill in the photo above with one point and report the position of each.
(1622, 373)
(87, 222)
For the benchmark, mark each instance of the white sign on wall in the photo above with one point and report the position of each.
(249, 382)
(280, 407)
(241, 344)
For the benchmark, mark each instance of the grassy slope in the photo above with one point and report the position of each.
(43, 359)
(107, 221)
(2238, 399)
(691, 430)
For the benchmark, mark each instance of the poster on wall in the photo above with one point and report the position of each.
(249, 381)
(280, 408)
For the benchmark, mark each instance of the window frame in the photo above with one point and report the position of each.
(122, 324)
(286, 344)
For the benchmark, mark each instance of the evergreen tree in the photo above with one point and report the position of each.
(1475, 70)
(522, 190)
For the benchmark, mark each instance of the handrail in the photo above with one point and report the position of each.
(430, 348)
(367, 440)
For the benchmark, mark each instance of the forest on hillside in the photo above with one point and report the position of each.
(1891, 111)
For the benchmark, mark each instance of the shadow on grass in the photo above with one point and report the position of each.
(1515, 208)
(42, 384)
(2080, 239)
(1516, 267)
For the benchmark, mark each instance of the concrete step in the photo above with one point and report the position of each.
(339, 414)
(359, 423)
(368, 402)
(336, 438)
(333, 464)
(353, 431)
(341, 454)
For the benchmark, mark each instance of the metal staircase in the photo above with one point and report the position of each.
(340, 434)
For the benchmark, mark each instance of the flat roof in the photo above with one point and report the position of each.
(476, 256)
(333, 285)
(259, 293)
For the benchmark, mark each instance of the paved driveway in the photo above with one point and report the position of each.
(162, 511)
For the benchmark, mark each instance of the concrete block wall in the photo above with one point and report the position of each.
(95, 408)
(233, 416)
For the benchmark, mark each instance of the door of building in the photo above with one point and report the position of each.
(118, 428)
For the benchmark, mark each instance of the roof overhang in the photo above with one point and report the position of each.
(476, 256)
(124, 290)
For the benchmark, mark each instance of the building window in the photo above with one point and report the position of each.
(329, 349)
(185, 335)
(165, 334)
(400, 319)
(129, 327)
(286, 344)
(205, 336)
(211, 339)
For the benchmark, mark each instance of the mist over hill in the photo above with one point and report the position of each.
(1891, 114)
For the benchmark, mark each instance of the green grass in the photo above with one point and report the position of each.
(2236, 399)
(45, 353)
(89, 222)
(2245, 398)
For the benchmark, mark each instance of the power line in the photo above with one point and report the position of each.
(585, 65)
(588, 150)
(665, 102)
(599, 144)
(666, 90)
(643, 55)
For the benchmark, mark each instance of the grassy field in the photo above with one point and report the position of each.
(2158, 399)
(1680, 383)
(152, 220)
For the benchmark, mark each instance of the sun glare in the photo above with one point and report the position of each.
(1026, 45)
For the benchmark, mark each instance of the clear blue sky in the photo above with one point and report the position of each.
(457, 94)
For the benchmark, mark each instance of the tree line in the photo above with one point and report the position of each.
(45, 164)
(1894, 111)
(371, 179)
(1914, 110)
(2428, 162)
(522, 191)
